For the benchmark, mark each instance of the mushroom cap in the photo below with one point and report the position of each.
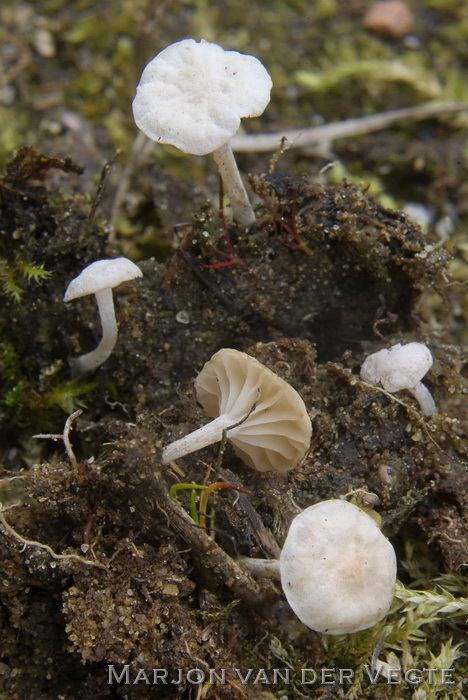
(338, 570)
(100, 275)
(400, 367)
(276, 435)
(193, 95)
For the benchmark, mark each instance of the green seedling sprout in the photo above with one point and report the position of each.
(193, 503)
(199, 516)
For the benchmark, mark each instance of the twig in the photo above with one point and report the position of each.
(211, 557)
(318, 138)
(105, 172)
(140, 148)
(65, 437)
(260, 532)
(22, 58)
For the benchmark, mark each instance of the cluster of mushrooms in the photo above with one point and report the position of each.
(336, 568)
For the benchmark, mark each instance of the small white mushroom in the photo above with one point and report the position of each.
(272, 429)
(193, 95)
(100, 278)
(402, 367)
(337, 569)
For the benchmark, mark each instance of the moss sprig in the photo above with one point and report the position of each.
(15, 275)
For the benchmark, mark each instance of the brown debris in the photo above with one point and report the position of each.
(28, 164)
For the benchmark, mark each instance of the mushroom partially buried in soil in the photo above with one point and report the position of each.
(99, 279)
(193, 95)
(265, 418)
(337, 569)
(402, 367)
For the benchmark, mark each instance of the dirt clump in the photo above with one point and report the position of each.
(324, 277)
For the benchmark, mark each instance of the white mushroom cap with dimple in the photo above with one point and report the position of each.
(400, 367)
(338, 570)
(193, 94)
(276, 435)
(102, 274)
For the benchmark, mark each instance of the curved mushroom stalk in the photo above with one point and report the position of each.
(424, 398)
(95, 358)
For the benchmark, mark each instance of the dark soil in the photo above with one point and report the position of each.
(326, 276)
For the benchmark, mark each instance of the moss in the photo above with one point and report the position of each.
(37, 229)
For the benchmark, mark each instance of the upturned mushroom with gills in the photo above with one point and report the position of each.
(337, 569)
(193, 95)
(265, 418)
(99, 278)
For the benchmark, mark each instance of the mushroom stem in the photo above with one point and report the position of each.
(261, 568)
(206, 435)
(88, 362)
(233, 185)
(424, 397)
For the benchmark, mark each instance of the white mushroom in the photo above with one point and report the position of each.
(272, 429)
(100, 278)
(193, 95)
(337, 569)
(402, 367)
